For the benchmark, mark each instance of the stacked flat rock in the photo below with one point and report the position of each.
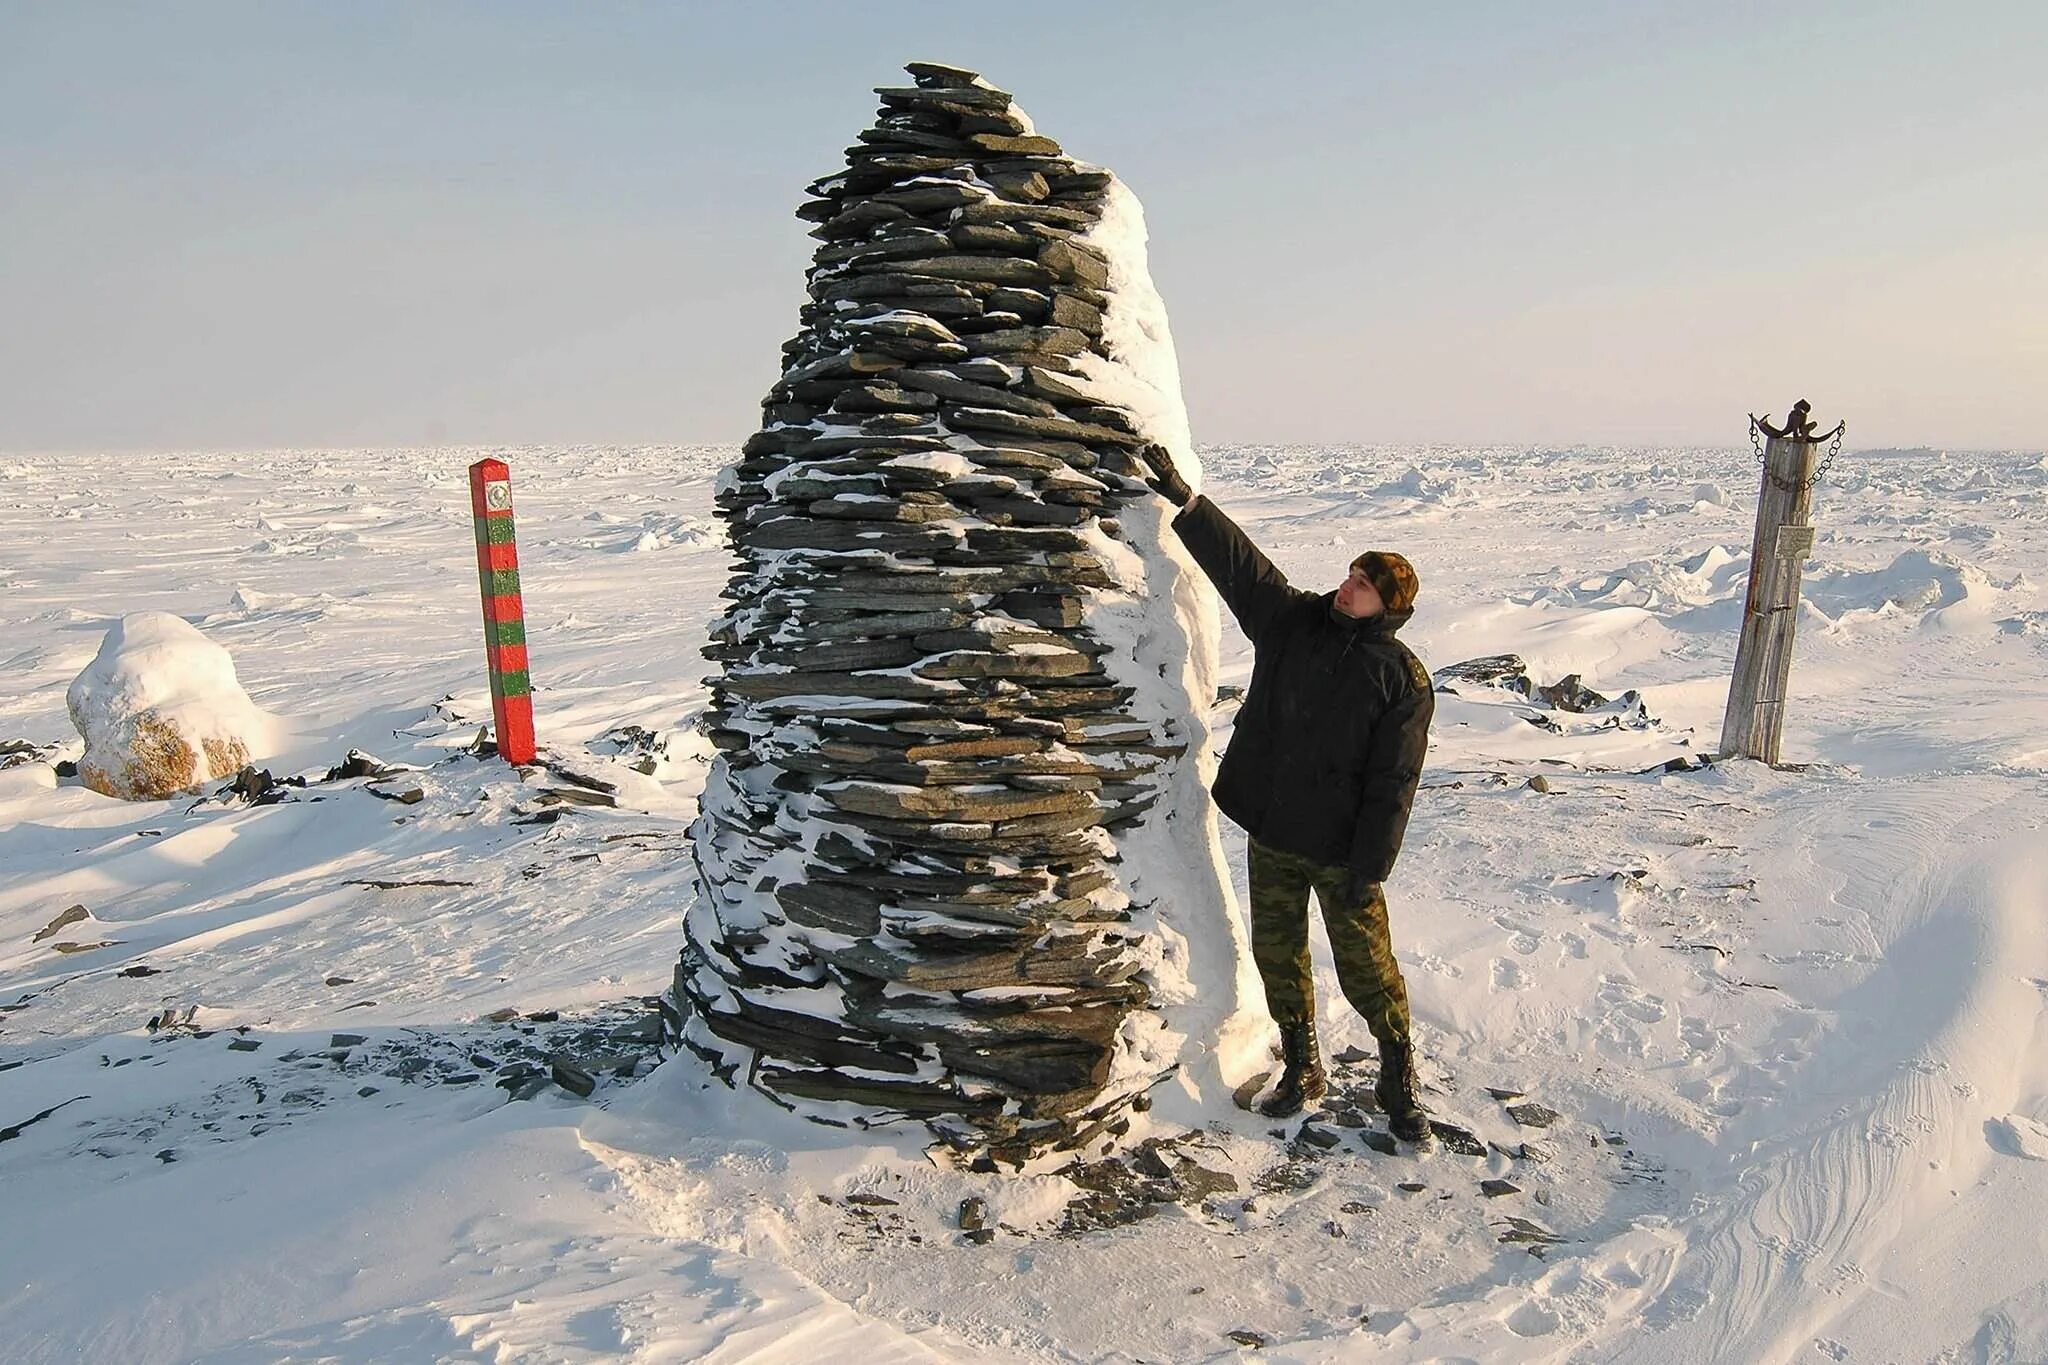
(909, 895)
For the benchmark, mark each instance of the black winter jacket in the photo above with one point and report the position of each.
(1329, 741)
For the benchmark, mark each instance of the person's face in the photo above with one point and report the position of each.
(1357, 597)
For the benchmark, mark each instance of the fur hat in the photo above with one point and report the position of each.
(1392, 575)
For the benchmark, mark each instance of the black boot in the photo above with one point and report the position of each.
(1395, 1091)
(1302, 1081)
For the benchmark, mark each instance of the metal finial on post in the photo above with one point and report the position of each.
(1755, 719)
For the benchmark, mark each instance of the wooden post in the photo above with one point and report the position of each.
(1755, 718)
(497, 568)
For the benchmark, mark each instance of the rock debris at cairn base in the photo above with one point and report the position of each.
(910, 903)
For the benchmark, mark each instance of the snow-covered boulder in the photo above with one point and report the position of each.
(162, 711)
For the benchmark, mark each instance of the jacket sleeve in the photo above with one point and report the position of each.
(1393, 768)
(1255, 591)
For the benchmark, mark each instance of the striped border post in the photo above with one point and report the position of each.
(497, 571)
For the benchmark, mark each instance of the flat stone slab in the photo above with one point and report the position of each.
(950, 803)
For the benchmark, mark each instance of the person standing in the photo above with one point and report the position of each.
(1321, 773)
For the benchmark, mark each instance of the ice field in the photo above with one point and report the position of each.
(1793, 1024)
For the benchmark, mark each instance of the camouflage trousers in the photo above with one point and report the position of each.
(1366, 970)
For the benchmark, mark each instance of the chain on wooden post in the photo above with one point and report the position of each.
(1756, 441)
(497, 567)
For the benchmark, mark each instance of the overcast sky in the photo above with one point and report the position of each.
(243, 225)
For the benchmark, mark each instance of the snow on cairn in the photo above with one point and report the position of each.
(162, 711)
(957, 856)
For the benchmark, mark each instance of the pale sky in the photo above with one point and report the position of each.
(265, 224)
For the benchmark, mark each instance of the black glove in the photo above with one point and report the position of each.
(1166, 480)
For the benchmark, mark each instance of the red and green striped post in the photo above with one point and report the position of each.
(497, 571)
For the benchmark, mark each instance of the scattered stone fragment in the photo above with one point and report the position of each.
(1382, 1143)
(381, 884)
(1538, 783)
(1568, 694)
(339, 981)
(173, 1017)
(254, 786)
(1317, 1137)
(356, 763)
(1411, 1187)
(15, 1130)
(973, 1213)
(1494, 1189)
(1460, 1140)
(1521, 1230)
(644, 1030)
(1197, 1182)
(1244, 1336)
(72, 915)
(14, 752)
(1506, 671)
(1505, 1095)
(347, 1040)
(243, 1044)
(1533, 1115)
(573, 1079)
(139, 969)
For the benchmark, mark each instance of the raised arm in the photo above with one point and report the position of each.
(1251, 586)
(1253, 589)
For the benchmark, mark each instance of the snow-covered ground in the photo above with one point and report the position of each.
(282, 1091)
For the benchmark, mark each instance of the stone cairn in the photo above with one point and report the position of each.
(910, 904)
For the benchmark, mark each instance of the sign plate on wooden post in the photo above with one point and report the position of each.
(1795, 542)
(497, 568)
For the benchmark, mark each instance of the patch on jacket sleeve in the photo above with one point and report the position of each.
(1417, 674)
